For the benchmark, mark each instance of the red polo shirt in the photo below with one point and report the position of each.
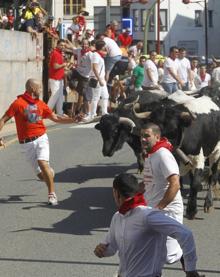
(125, 40)
(56, 57)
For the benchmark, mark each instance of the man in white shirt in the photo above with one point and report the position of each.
(137, 49)
(216, 73)
(81, 72)
(98, 72)
(114, 54)
(151, 73)
(202, 79)
(139, 234)
(161, 181)
(184, 69)
(171, 79)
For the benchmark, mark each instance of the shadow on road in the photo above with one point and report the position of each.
(82, 173)
(92, 209)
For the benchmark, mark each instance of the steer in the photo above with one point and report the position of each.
(194, 127)
(122, 126)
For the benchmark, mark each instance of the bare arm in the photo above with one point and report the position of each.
(61, 119)
(175, 76)
(58, 66)
(3, 120)
(174, 186)
(96, 72)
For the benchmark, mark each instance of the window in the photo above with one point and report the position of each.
(198, 18)
(163, 20)
(210, 18)
(73, 6)
(136, 19)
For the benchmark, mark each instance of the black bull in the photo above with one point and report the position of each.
(176, 122)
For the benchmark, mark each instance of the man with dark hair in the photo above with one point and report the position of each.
(137, 77)
(171, 79)
(29, 112)
(161, 180)
(98, 73)
(139, 234)
(151, 72)
(184, 69)
(56, 77)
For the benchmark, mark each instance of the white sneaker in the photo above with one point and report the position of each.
(52, 199)
(87, 118)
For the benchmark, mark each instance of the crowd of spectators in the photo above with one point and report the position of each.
(84, 55)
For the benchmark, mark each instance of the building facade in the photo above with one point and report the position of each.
(180, 24)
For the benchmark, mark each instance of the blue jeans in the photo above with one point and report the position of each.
(170, 87)
(186, 86)
(110, 62)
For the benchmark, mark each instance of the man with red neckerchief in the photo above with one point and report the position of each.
(56, 76)
(98, 73)
(138, 233)
(29, 112)
(161, 181)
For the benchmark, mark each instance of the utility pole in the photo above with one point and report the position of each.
(206, 33)
(158, 27)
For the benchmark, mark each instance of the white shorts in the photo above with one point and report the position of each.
(100, 92)
(37, 150)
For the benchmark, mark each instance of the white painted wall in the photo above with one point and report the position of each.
(17, 64)
(181, 25)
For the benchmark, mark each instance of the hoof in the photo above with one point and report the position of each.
(191, 214)
(208, 209)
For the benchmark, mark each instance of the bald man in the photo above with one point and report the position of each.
(29, 112)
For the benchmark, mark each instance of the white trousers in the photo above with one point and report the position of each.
(56, 98)
(37, 150)
(97, 93)
(174, 251)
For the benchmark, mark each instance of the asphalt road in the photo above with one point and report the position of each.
(41, 241)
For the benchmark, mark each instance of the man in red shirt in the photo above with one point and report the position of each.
(56, 76)
(29, 112)
(125, 39)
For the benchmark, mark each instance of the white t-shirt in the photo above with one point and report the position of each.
(157, 168)
(136, 51)
(216, 74)
(150, 65)
(96, 58)
(84, 65)
(77, 53)
(199, 83)
(112, 47)
(74, 28)
(140, 236)
(183, 69)
(172, 64)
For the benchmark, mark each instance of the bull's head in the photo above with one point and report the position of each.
(115, 131)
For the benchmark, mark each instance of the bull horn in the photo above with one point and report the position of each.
(129, 105)
(141, 115)
(127, 121)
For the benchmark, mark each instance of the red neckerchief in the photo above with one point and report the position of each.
(26, 96)
(202, 76)
(100, 53)
(163, 142)
(84, 51)
(132, 202)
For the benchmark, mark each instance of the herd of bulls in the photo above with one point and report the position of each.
(190, 122)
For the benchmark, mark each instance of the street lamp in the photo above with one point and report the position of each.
(206, 24)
